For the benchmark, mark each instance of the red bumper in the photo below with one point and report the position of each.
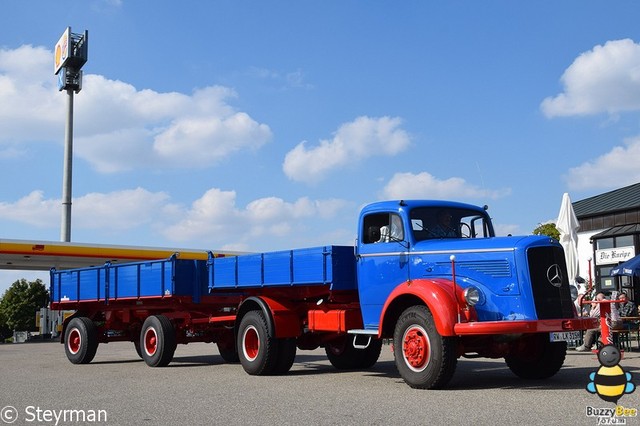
(518, 327)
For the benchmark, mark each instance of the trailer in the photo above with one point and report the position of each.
(429, 275)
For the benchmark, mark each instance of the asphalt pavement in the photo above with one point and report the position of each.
(41, 387)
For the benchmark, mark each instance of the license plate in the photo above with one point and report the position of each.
(564, 336)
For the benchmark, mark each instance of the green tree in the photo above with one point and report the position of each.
(548, 229)
(19, 304)
(5, 331)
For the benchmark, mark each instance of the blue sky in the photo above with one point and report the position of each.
(262, 125)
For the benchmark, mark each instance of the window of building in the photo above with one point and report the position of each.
(607, 282)
(624, 241)
(605, 243)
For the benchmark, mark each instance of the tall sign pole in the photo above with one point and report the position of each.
(70, 55)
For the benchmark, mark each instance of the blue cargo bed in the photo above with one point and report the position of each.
(327, 265)
(158, 278)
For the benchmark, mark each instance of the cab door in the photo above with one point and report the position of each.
(382, 262)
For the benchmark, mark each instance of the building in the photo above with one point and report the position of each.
(609, 234)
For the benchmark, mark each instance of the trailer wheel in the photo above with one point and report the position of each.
(137, 347)
(538, 358)
(81, 340)
(424, 358)
(257, 348)
(344, 356)
(228, 350)
(157, 341)
(286, 355)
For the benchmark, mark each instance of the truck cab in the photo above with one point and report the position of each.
(440, 266)
(401, 241)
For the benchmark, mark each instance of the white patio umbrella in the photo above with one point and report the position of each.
(568, 226)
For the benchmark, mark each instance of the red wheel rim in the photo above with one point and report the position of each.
(250, 343)
(416, 348)
(150, 341)
(74, 341)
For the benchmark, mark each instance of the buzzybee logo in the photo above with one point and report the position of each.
(610, 382)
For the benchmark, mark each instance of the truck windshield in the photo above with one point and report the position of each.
(434, 223)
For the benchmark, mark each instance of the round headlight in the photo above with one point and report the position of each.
(472, 296)
(574, 291)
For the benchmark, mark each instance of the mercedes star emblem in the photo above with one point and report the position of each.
(554, 275)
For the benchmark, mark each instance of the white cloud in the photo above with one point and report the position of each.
(162, 129)
(216, 220)
(213, 220)
(424, 185)
(31, 108)
(118, 210)
(604, 79)
(362, 138)
(617, 168)
(32, 209)
(201, 141)
(211, 217)
(118, 127)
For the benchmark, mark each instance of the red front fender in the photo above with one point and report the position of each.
(437, 294)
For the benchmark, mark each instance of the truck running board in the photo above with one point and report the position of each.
(362, 338)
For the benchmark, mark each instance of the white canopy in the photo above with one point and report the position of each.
(568, 226)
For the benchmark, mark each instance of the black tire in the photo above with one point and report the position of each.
(286, 355)
(228, 351)
(344, 356)
(257, 348)
(424, 358)
(539, 358)
(136, 345)
(157, 341)
(81, 340)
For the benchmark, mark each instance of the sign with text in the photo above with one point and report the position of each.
(613, 256)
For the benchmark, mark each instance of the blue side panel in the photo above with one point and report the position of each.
(222, 272)
(66, 284)
(189, 278)
(159, 278)
(342, 268)
(278, 268)
(309, 266)
(91, 285)
(78, 284)
(123, 281)
(155, 279)
(334, 265)
(250, 270)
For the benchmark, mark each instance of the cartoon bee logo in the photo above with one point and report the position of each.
(610, 382)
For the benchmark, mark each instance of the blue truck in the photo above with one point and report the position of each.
(429, 275)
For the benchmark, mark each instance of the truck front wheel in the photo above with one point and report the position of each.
(424, 358)
(157, 341)
(537, 357)
(81, 340)
(257, 348)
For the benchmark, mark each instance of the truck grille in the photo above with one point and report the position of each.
(550, 289)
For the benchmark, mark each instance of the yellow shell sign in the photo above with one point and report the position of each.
(62, 50)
